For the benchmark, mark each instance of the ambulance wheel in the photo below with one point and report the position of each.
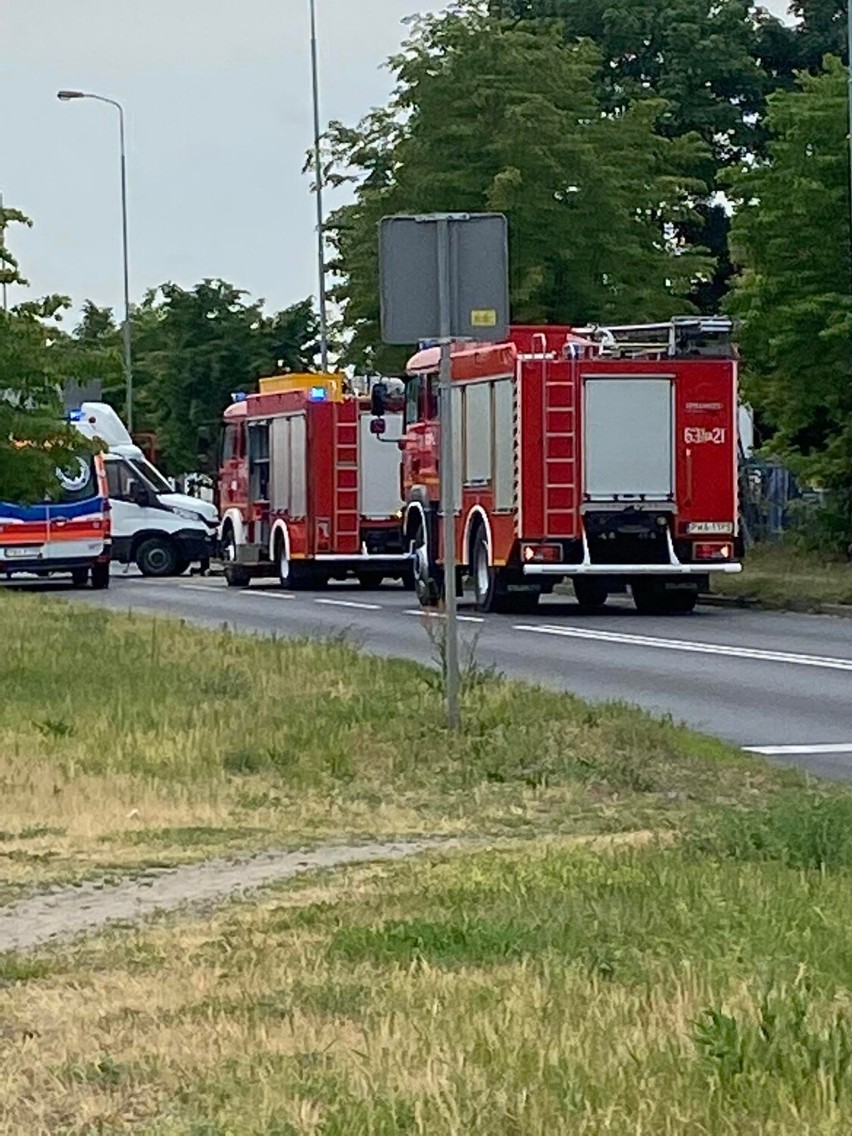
(426, 584)
(100, 575)
(591, 594)
(80, 577)
(157, 557)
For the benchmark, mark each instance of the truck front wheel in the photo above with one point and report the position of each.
(429, 590)
(157, 557)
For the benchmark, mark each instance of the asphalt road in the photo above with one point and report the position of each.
(780, 684)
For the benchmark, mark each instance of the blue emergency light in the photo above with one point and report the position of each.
(75, 416)
(239, 396)
(318, 394)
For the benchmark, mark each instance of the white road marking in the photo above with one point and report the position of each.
(792, 750)
(350, 603)
(440, 615)
(199, 587)
(729, 650)
(257, 594)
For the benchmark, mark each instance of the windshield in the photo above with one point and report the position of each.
(150, 474)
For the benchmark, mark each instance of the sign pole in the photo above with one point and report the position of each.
(448, 476)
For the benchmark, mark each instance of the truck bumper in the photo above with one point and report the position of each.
(671, 567)
(47, 565)
(678, 569)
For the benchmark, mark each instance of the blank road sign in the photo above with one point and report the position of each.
(478, 277)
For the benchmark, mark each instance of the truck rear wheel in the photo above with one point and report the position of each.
(157, 557)
(370, 579)
(651, 597)
(80, 577)
(591, 594)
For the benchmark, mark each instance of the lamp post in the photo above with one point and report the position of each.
(323, 301)
(69, 96)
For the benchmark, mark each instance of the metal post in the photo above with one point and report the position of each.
(128, 349)
(323, 302)
(3, 246)
(448, 478)
(849, 105)
(66, 96)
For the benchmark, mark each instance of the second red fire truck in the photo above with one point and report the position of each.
(308, 491)
(603, 456)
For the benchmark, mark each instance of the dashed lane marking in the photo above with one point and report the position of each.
(755, 654)
(350, 603)
(793, 750)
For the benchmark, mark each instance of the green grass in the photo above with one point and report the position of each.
(778, 576)
(691, 988)
(128, 742)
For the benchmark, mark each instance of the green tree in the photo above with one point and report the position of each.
(194, 348)
(713, 61)
(36, 358)
(791, 238)
(487, 116)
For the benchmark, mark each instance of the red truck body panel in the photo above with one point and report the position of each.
(626, 462)
(296, 469)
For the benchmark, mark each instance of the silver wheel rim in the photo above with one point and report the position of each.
(158, 559)
(481, 574)
(421, 562)
(283, 564)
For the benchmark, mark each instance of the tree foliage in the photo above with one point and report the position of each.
(715, 62)
(193, 349)
(36, 359)
(490, 116)
(791, 237)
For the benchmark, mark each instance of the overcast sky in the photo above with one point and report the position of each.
(217, 95)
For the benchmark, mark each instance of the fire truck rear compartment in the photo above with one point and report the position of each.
(629, 537)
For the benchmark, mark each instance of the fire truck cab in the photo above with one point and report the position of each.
(607, 456)
(308, 490)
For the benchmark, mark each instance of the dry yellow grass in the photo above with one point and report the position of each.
(128, 743)
(539, 991)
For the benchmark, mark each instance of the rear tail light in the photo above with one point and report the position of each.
(542, 553)
(707, 550)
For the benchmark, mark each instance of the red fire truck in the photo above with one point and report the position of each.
(603, 455)
(308, 490)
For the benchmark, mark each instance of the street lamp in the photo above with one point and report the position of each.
(323, 304)
(69, 96)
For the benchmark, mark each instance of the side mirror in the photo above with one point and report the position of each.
(378, 426)
(138, 493)
(378, 397)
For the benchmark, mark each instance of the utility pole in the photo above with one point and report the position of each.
(448, 474)
(323, 298)
(2, 248)
(70, 96)
(849, 105)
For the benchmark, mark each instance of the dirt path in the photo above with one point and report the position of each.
(74, 911)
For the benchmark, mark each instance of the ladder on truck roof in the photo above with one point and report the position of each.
(681, 337)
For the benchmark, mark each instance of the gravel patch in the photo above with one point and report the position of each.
(71, 912)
